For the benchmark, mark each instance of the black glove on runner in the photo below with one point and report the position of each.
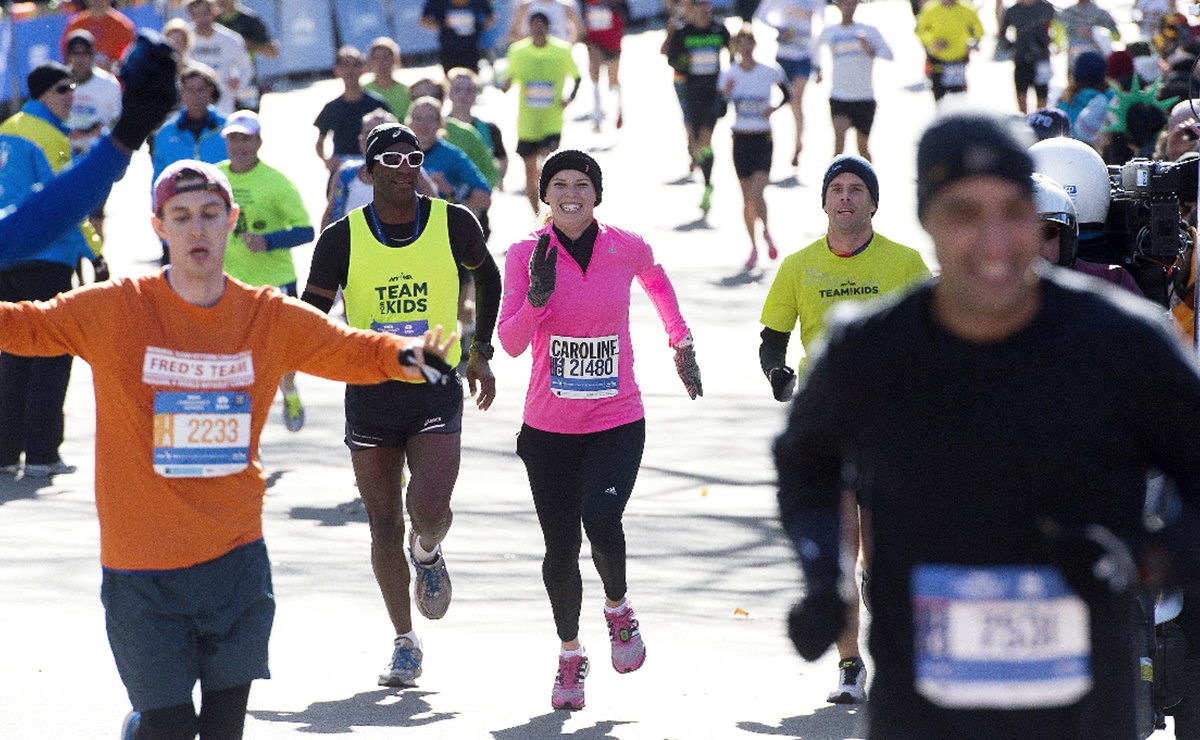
(436, 370)
(542, 273)
(783, 383)
(100, 268)
(148, 78)
(686, 367)
(815, 622)
(1094, 561)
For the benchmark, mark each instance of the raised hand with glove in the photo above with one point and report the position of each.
(149, 89)
(686, 367)
(542, 272)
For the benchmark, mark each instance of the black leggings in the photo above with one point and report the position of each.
(222, 717)
(584, 478)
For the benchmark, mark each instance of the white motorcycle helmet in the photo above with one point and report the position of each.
(1056, 207)
(1082, 174)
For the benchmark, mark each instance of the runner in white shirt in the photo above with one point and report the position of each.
(565, 22)
(224, 51)
(853, 48)
(748, 86)
(799, 23)
(97, 101)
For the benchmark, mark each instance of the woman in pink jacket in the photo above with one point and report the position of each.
(584, 424)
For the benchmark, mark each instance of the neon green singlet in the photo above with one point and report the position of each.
(404, 290)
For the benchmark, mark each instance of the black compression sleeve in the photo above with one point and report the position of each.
(330, 264)
(466, 237)
(772, 353)
(319, 302)
(487, 299)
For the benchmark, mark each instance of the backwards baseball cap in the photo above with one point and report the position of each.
(538, 15)
(45, 76)
(855, 166)
(242, 122)
(384, 136)
(961, 145)
(571, 159)
(81, 39)
(189, 175)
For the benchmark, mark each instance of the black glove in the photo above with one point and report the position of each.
(815, 622)
(542, 273)
(686, 367)
(783, 382)
(100, 268)
(1094, 561)
(150, 93)
(436, 370)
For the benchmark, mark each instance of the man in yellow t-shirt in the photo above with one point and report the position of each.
(851, 262)
(949, 30)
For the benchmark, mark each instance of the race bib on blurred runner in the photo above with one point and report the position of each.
(584, 367)
(704, 61)
(999, 637)
(599, 19)
(954, 74)
(539, 94)
(461, 21)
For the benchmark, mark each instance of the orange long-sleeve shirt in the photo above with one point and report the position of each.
(144, 343)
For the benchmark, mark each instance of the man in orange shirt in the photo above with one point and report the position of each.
(185, 364)
(111, 28)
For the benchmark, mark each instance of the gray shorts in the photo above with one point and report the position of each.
(208, 623)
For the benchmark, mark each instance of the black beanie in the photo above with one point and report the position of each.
(962, 145)
(45, 76)
(570, 159)
(855, 166)
(383, 136)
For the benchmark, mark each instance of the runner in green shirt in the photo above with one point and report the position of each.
(381, 60)
(540, 65)
(272, 221)
(851, 262)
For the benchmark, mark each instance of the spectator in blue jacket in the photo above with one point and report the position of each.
(34, 147)
(195, 132)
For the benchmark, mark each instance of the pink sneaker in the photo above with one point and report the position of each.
(752, 260)
(568, 684)
(628, 650)
(772, 252)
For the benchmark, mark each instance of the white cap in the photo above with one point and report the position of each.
(242, 122)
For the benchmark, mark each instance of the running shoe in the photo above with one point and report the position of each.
(772, 252)
(706, 200)
(752, 260)
(405, 666)
(130, 725)
(431, 587)
(58, 467)
(852, 683)
(293, 412)
(568, 684)
(628, 650)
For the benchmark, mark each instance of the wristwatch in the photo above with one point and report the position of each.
(487, 350)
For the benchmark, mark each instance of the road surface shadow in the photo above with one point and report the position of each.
(333, 516)
(700, 223)
(832, 722)
(551, 726)
(788, 182)
(18, 489)
(685, 180)
(382, 708)
(745, 277)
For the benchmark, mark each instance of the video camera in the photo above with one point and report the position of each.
(1144, 230)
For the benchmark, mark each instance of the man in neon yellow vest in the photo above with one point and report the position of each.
(396, 261)
(272, 221)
